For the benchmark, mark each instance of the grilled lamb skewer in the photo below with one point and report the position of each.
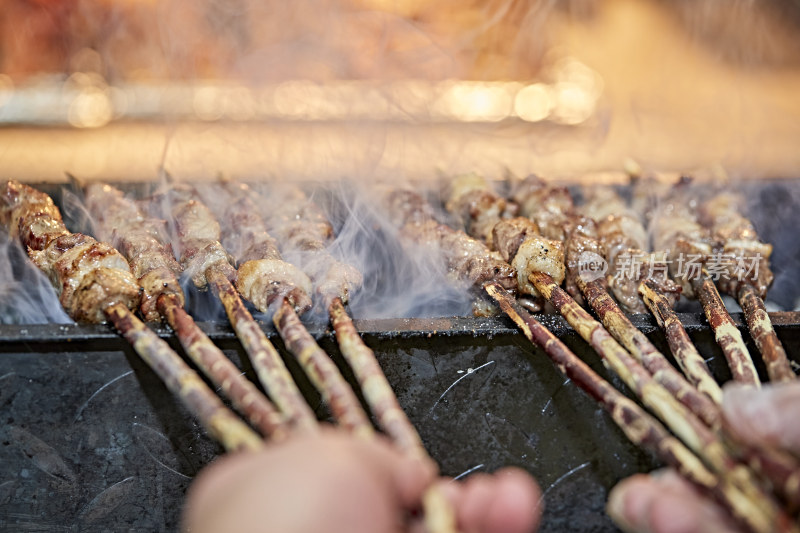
(646, 193)
(204, 259)
(304, 233)
(142, 240)
(627, 284)
(780, 468)
(687, 423)
(639, 426)
(261, 269)
(676, 230)
(408, 211)
(468, 262)
(94, 284)
(558, 209)
(735, 239)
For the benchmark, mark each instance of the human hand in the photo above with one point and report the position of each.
(335, 482)
(664, 502)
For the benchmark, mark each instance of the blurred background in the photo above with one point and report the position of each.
(115, 89)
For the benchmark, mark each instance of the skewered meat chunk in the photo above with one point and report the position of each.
(582, 251)
(538, 254)
(468, 260)
(547, 205)
(139, 238)
(268, 281)
(264, 277)
(676, 231)
(87, 275)
(469, 198)
(733, 235)
(305, 233)
(508, 235)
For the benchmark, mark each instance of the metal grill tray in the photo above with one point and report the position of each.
(91, 439)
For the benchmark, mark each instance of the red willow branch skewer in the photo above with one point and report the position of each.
(659, 294)
(687, 356)
(271, 283)
(622, 236)
(94, 284)
(692, 431)
(206, 262)
(675, 229)
(656, 390)
(641, 428)
(782, 471)
(736, 239)
(469, 194)
(303, 230)
(141, 239)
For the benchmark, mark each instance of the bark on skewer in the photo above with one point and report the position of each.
(735, 239)
(94, 284)
(301, 228)
(142, 240)
(554, 208)
(622, 237)
(270, 283)
(223, 426)
(687, 356)
(204, 259)
(690, 429)
(659, 391)
(641, 428)
(657, 294)
(779, 468)
(676, 230)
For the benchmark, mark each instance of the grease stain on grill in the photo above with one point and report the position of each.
(44, 457)
(107, 501)
(160, 449)
(85, 404)
(469, 373)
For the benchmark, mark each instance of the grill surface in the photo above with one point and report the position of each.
(90, 437)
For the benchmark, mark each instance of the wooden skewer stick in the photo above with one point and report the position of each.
(687, 356)
(696, 435)
(726, 333)
(767, 342)
(246, 398)
(121, 219)
(438, 514)
(218, 420)
(640, 347)
(641, 428)
(322, 371)
(374, 385)
(266, 360)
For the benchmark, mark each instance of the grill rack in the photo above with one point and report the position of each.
(91, 437)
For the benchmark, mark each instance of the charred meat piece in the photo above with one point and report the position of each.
(141, 240)
(88, 275)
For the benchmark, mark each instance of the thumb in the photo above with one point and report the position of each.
(764, 416)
